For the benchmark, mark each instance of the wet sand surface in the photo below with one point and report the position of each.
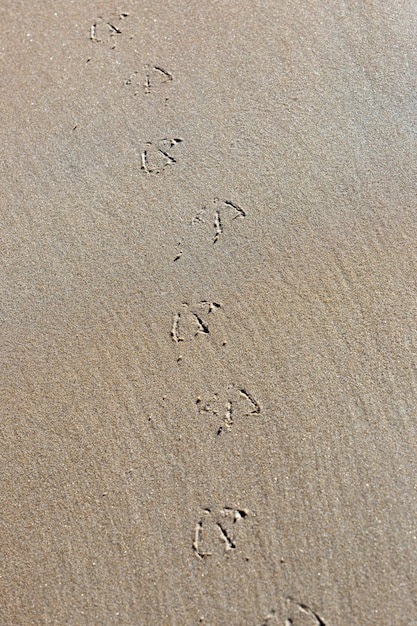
(208, 313)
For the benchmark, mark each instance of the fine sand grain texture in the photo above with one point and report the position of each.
(208, 313)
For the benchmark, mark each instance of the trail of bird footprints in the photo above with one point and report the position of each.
(235, 403)
(155, 156)
(216, 532)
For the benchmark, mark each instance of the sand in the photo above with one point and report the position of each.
(208, 313)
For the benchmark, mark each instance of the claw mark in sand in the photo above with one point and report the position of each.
(196, 543)
(218, 226)
(167, 75)
(303, 608)
(237, 514)
(229, 544)
(239, 211)
(199, 218)
(268, 618)
(252, 400)
(174, 330)
(93, 33)
(144, 161)
(212, 306)
(114, 29)
(179, 253)
(202, 326)
(306, 609)
(147, 85)
(228, 419)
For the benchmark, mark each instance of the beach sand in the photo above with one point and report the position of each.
(208, 312)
